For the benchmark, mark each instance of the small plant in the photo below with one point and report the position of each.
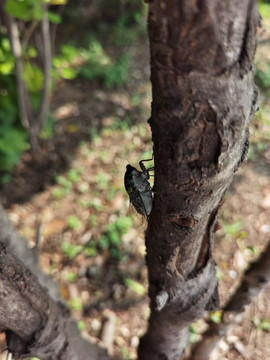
(112, 238)
(216, 316)
(102, 179)
(93, 220)
(111, 193)
(104, 155)
(95, 204)
(125, 353)
(135, 286)
(121, 124)
(261, 324)
(75, 304)
(91, 249)
(71, 276)
(74, 175)
(64, 189)
(219, 273)
(193, 334)
(74, 222)
(232, 229)
(253, 250)
(98, 65)
(81, 325)
(70, 250)
(64, 62)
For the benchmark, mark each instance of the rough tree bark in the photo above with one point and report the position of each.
(34, 318)
(203, 100)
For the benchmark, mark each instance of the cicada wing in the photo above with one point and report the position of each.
(139, 220)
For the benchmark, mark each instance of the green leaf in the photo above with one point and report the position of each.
(33, 77)
(71, 250)
(90, 251)
(264, 10)
(6, 67)
(69, 52)
(54, 18)
(135, 286)
(265, 325)
(74, 222)
(216, 316)
(193, 334)
(68, 73)
(75, 304)
(12, 144)
(219, 273)
(18, 9)
(24, 9)
(252, 249)
(232, 229)
(81, 325)
(74, 175)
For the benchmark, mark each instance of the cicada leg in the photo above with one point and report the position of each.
(143, 168)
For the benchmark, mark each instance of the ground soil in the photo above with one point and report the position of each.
(95, 286)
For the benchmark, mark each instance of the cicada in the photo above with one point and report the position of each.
(139, 188)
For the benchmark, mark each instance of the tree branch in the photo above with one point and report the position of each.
(35, 324)
(47, 65)
(23, 96)
(35, 320)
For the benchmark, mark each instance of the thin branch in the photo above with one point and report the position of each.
(23, 96)
(28, 34)
(47, 65)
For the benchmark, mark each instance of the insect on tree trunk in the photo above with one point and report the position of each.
(204, 97)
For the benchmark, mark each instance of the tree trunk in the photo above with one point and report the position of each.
(202, 56)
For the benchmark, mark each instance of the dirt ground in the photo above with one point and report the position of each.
(90, 151)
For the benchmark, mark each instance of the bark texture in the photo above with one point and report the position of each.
(34, 318)
(203, 99)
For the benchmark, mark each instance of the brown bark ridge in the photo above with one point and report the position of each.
(35, 325)
(204, 97)
(35, 320)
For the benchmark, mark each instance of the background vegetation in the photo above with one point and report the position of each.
(100, 102)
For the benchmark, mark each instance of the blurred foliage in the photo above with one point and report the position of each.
(81, 325)
(135, 286)
(70, 250)
(216, 316)
(262, 61)
(260, 125)
(264, 8)
(193, 334)
(261, 324)
(91, 63)
(118, 21)
(74, 222)
(112, 239)
(75, 304)
(13, 139)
